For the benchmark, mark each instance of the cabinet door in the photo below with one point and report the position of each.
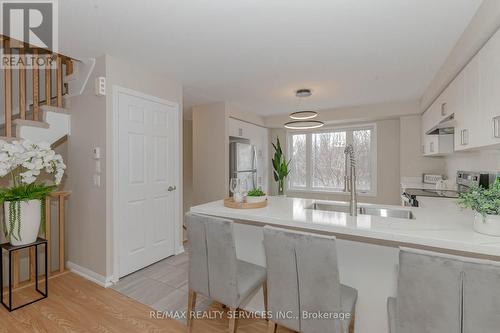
(489, 90)
(237, 128)
(468, 123)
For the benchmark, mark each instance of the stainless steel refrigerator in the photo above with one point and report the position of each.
(243, 163)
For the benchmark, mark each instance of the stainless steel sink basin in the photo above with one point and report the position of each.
(383, 212)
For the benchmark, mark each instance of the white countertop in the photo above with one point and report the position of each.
(442, 225)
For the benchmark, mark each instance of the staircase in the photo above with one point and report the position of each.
(31, 110)
(35, 112)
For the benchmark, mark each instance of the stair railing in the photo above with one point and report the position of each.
(63, 67)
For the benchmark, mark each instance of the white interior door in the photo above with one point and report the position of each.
(147, 154)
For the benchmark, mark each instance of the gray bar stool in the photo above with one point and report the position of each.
(302, 276)
(481, 296)
(428, 294)
(214, 270)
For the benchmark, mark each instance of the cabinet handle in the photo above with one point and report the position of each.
(432, 147)
(443, 109)
(464, 137)
(423, 149)
(240, 131)
(496, 127)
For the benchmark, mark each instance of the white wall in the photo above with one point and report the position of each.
(187, 162)
(484, 160)
(412, 162)
(210, 152)
(86, 224)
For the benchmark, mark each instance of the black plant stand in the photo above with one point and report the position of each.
(10, 249)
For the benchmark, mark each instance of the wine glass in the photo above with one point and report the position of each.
(234, 185)
(243, 186)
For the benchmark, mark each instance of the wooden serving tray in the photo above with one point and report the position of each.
(229, 202)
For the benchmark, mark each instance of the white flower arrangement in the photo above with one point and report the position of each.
(24, 161)
(29, 159)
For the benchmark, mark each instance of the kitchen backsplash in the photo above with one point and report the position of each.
(485, 160)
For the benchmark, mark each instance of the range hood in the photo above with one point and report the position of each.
(446, 126)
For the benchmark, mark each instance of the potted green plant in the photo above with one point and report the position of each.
(280, 167)
(24, 200)
(486, 206)
(256, 195)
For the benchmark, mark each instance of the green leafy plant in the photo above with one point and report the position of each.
(280, 166)
(14, 196)
(484, 201)
(256, 192)
(24, 161)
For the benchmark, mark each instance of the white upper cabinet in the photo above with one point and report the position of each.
(467, 127)
(238, 129)
(473, 97)
(489, 92)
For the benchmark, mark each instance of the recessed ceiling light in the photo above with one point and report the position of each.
(302, 125)
(302, 115)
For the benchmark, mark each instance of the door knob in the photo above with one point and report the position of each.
(171, 188)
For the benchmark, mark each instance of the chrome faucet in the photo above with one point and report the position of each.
(350, 179)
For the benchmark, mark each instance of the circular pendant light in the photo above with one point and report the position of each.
(304, 124)
(302, 118)
(303, 115)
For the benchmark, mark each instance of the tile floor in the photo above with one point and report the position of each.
(163, 285)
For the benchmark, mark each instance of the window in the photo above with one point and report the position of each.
(318, 160)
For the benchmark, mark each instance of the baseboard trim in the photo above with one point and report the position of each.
(89, 275)
(179, 250)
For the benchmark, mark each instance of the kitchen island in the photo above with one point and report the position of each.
(367, 245)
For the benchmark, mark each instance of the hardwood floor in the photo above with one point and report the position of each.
(77, 305)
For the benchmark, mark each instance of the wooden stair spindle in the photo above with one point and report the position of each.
(36, 86)
(7, 92)
(22, 85)
(59, 81)
(48, 80)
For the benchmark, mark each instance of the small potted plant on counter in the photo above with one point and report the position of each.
(486, 206)
(256, 195)
(24, 199)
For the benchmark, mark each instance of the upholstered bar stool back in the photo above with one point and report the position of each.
(214, 270)
(428, 294)
(303, 278)
(481, 297)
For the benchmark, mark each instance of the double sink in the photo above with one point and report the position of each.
(365, 210)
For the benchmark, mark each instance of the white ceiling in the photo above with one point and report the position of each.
(255, 53)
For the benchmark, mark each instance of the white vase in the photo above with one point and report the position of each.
(251, 199)
(30, 216)
(488, 225)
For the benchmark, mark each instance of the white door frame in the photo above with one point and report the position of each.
(115, 199)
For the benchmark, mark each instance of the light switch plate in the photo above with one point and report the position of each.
(100, 86)
(96, 153)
